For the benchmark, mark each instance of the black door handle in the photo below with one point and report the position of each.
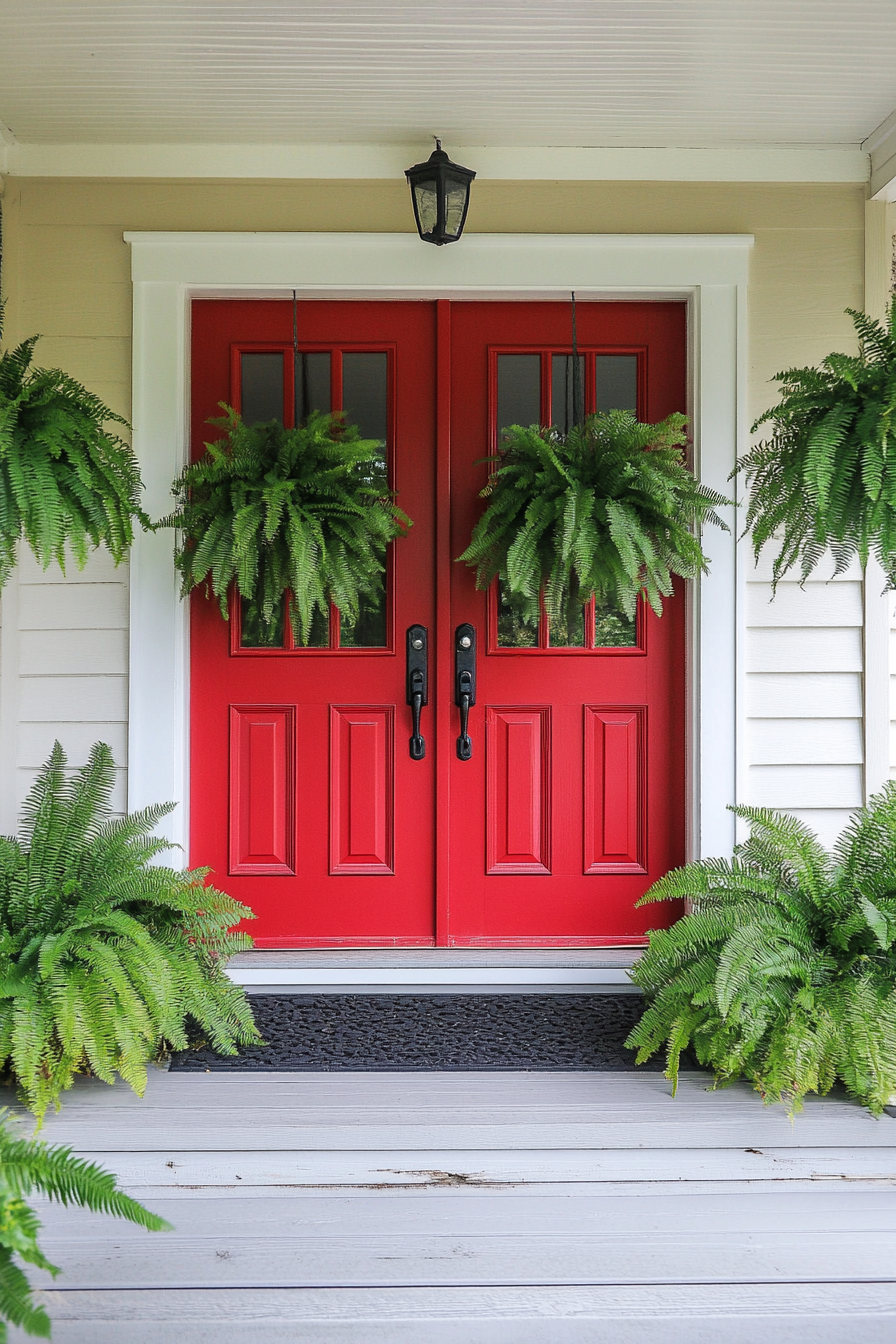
(417, 685)
(464, 684)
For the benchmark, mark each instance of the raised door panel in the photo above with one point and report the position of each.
(518, 792)
(361, 788)
(262, 789)
(615, 789)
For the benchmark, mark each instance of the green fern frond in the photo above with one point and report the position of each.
(784, 970)
(67, 483)
(105, 954)
(825, 477)
(609, 510)
(274, 512)
(26, 1166)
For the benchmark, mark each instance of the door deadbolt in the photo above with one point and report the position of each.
(464, 684)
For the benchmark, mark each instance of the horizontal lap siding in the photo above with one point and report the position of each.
(73, 666)
(892, 714)
(804, 696)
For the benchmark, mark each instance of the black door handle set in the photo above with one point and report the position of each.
(417, 684)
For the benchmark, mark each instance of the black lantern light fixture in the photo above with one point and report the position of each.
(440, 191)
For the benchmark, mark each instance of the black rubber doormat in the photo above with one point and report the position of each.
(323, 1033)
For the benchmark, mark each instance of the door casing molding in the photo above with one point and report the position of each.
(709, 272)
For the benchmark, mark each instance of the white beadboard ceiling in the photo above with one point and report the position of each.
(815, 73)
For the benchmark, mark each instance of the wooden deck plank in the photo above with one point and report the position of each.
(543, 1329)
(445, 957)
(484, 1167)
(598, 1200)
(270, 1130)
(422, 1305)
(422, 1259)
(462, 1091)
(635, 1190)
(744, 1208)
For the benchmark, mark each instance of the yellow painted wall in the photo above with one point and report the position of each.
(66, 274)
(66, 270)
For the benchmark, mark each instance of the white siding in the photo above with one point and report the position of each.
(71, 680)
(893, 686)
(804, 696)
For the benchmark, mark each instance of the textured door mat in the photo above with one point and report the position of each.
(409, 1032)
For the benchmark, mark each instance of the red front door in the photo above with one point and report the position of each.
(306, 801)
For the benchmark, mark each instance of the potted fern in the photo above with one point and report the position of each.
(106, 957)
(825, 477)
(271, 512)
(784, 969)
(608, 510)
(67, 482)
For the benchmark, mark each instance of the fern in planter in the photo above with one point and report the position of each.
(305, 511)
(826, 475)
(606, 511)
(784, 971)
(27, 1165)
(106, 956)
(66, 481)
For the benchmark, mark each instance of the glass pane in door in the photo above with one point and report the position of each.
(513, 632)
(312, 383)
(519, 390)
(617, 383)
(365, 396)
(261, 386)
(562, 400)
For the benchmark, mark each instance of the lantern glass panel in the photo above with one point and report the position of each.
(455, 205)
(427, 200)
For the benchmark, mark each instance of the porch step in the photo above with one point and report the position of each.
(436, 970)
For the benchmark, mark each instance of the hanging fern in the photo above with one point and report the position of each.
(65, 480)
(784, 971)
(306, 511)
(826, 476)
(607, 510)
(105, 955)
(27, 1165)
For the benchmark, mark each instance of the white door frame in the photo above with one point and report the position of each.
(169, 269)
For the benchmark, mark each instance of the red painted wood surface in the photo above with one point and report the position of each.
(262, 789)
(580, 901)
(573, 802)
(518, 793)
(615, 790)
(362, 788)
(376, 898)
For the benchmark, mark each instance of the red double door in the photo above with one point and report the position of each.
(306, 800)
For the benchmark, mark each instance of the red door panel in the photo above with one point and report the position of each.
(262, 790)
(344, 877)
(362, 788)
(305, 801)
(601, 814)
(518, 766)
(615, 789)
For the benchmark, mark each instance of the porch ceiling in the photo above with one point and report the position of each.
(480, 72)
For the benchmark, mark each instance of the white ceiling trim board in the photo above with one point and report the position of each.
(881, 147)
(741, 163)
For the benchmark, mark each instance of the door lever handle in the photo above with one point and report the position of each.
(417, 685)
(464, 684)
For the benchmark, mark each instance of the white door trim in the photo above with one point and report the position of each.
(168, 269)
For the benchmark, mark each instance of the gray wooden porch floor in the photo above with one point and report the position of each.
(475, 1208)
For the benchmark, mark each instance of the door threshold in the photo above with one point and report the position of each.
(436, 970)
